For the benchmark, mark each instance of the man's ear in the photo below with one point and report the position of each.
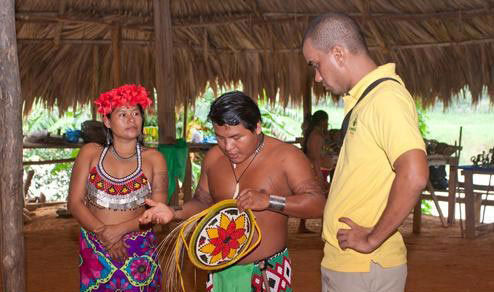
(106, 121)
(338, 54)
(258, 128)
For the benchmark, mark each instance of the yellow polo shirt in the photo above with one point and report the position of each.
(383, 126)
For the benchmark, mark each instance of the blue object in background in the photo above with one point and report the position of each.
(210, 139)
(72, 136)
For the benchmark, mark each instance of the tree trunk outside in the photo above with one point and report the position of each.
(12, 239)
(307, 101)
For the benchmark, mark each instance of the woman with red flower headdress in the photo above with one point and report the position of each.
(108, 187)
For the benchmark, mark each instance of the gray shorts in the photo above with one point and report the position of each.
(378, 279)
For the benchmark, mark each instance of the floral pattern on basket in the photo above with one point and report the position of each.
(224, 237)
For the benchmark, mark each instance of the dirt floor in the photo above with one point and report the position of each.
(439, 259)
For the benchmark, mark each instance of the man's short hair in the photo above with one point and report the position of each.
(331, 29)
(234, 108)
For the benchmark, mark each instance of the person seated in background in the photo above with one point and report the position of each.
(313, 145)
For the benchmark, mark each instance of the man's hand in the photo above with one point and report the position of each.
(119, 251)
(356, 238)
(252, 199)
(159, 213)
(109, 235)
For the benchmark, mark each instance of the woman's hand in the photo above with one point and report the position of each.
(159, 213)
(109, 235)
(119, 251)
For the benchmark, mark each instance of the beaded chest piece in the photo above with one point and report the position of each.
(119, 194)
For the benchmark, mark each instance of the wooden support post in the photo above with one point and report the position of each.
(95, 85)
(417, 216)
(11, 192)
(59, 29)
(430, 189)
(469, 205)
(116, 65)
(307, 102)
(187, 187)
(165, 77)
(94, 114)
(27, 183)
(452, 187)
(184, 130)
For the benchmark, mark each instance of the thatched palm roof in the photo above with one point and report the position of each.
(65, 46)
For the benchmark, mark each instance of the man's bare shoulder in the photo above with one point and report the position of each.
(282, 149)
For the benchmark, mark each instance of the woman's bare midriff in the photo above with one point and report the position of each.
(111, 217)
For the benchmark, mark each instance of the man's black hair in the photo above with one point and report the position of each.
(234, 108)
(334, 28)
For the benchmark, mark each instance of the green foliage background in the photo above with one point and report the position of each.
(279, 121)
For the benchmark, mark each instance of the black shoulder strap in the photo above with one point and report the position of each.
(346, 120)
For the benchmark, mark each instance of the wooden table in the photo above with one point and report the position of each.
(473, 200)
(435, 160)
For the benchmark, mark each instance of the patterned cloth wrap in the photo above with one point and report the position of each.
(248, 277)
(139, 272)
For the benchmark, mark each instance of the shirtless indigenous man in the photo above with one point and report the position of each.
(273, 179)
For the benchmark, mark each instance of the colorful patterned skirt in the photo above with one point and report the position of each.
(249, 277)
(139, 272)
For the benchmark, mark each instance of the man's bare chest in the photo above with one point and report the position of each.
(223, 180)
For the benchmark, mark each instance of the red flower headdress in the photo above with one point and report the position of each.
(125, 95)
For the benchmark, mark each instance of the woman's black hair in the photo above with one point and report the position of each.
(234, 108)
(109, 133)
(315, 120)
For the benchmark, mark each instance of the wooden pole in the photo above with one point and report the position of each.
(187, 187)
(27, 183)
(116, 65)
(59, 29)
(11, 192)
(54, 161)
(307, 101)
(165, 77)
(95, 85)
(184, 130)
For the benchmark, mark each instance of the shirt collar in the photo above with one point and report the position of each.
(386, 70)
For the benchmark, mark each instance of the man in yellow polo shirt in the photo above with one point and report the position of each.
(382, 166)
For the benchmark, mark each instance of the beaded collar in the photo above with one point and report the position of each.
(108, 192)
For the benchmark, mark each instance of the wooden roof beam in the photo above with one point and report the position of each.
(59, 29)
(215, 20)
(251, 50)
(466, 13)
(108, 20)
